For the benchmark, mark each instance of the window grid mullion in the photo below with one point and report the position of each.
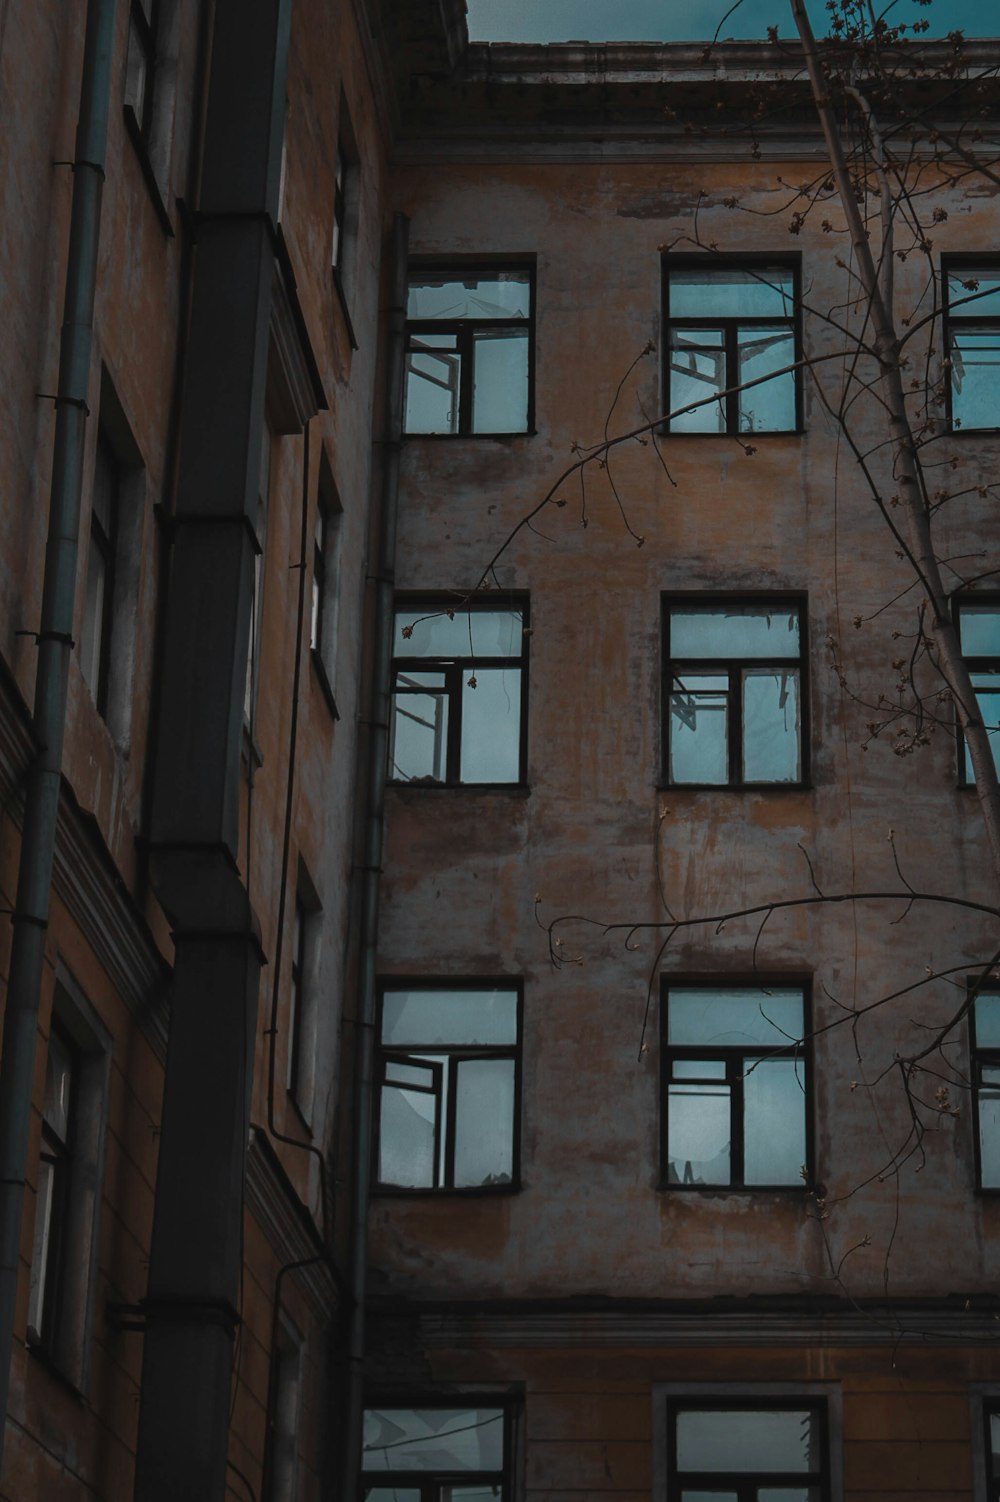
(453, 677)
(466, 347)
(732, 369)
(449, 1142)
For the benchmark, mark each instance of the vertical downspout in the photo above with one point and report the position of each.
(55, 643)
(378, 757)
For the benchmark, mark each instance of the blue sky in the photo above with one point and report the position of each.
(691, 20)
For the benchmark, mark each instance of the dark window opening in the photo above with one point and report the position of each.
(140, 70)
(98, 610)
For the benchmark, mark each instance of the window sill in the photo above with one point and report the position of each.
(324, 683)
(134, 134)
(471, 1191)
(474, 437)
(40, 1353)
(734, 787)
(719, 1189)
(511, 789)
(666, 432)
(338, 287)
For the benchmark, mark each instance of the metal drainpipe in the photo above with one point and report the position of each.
(378, 760)
(55, 642)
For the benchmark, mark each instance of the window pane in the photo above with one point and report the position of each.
(92, 632)
(737, 631)
(981, 301)
(771, 726)
(784, 1440)
(44, 1198)
(433, 1439)
(484, 1121)
(774, 1121)
(699, 729)
(425, 1019)
(975, 365)
(406, 1138)
(989, 1138)
(433, 378)
(506, 294)
(491, 725)
(467, 634)
(788, 1494)
(58, 1084)
(979, 630)
(483, 1492)
(392, 1494)
(770, 407)
(699, 1069)
(397, 1073)
(733, 1019)
(987, 686)
(689, 1496)
(995, 1443)
(697, 369)
(731, 292)
(418, 732)
(987, 1005)
(698, 1134)
(500, 381)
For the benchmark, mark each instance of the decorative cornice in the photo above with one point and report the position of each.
(286, 1223)
(973, 1321)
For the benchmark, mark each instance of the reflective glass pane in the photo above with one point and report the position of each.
(699, 1128)
(484, 1122)
(433, 1439)
(731, 292)
(769, 407)
(504, 294)
(771, 726)
(482, 1492)
(418, 731)
(697, 369)
(500, 381)
(995, 1443)
(987, 686)
(975, 367)
(987, 1005)
(699, 1069)
(465, 634)
(989, 1138)
(58, 1084)
(976, 301)
(425, 1019)
(433, 382)
(397, 1073)
(699, 729)
(406, 1138)
(491, 725)
(44, 1199)
(392, 1494)
(736, 631)
(92, 631)
(774, 1121)
(979, 630)
(991, 1074)
(734, 1018)
(744, 1440)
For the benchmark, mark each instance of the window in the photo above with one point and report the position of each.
(979, 635)
(341, 171)
(323, 619)
(991, 1416)
(984, 1022)
(733, 692)
(98, 610)
(469, 351)
(283, 1412)
(729, 323)
(436, 1454)
(257, 606)
(459, 694)
(972, 340)
(140, 72)
(745, 1449)
(306, 935)
(735, 1087)
(68, 1184)
(449, 1086)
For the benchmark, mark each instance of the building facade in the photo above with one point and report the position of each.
(504, 1018)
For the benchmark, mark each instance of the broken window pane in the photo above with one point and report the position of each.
(500, 381)
(418, 732)
(770, 726)
(738, 630)
(975, 366)
(484, 1109)
(774, 1125)
(504, 295)
(699, 729)
(698, 1132)
(433, 379)
(408, 1128)
(697, 370)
